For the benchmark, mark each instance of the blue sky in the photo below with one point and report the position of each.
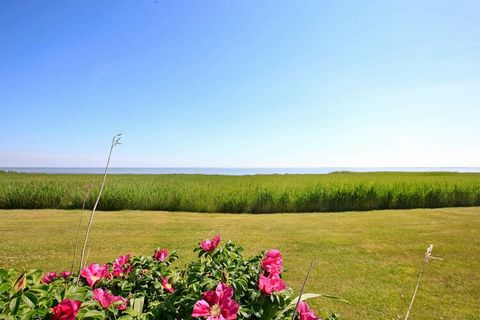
(240, 83)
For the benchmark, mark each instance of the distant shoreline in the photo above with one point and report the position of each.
(231, 171)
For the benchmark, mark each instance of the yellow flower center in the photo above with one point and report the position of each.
(215, 310)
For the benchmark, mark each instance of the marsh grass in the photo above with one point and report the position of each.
(341, 191)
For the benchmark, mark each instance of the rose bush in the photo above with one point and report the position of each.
(221, 284)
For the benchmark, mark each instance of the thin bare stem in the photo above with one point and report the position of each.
(115, 141)
(301, 290)
(87, 193)
(415, 292)
(88, 253)
(428, 256)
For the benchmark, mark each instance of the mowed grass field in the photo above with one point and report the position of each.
(341, 191)
(370, 258)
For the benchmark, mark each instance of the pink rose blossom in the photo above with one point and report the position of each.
(93, 273)
(103, 297)
(66, 310)
(167, 286)
(66, 274)
(160, 255)
(304, 312)
(210, 245)
(120, 303)
(273, 262)
(271, 284)
(49, 277)
(106, 299)
(122, 266)
(217, 305)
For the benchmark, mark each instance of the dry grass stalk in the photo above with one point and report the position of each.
(88, 188)
(428, 256)
(302, 289)
(115, 142)
(88, 255)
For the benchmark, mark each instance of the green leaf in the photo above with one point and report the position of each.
(27, 315)
(76, 293)
(3, 273)
(4, 287)
(32, 297)
(305, 296)
(94, 314)
(317, 295)
(137, 304)
(28, 301)
(14, 305)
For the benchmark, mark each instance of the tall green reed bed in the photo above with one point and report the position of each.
(251, 194)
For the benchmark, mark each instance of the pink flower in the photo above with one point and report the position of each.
(120, 303)
(273, 262)
(217, 305)
(122, 266)
(103, 297)
(106, 299)
(66, 310)
(304, 312)
(93, 273)
(49, 277)
(160, 255)
(210, 245)
(167, 286)
(66, 274)
(271, 284)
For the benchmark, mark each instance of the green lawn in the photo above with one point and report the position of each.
(369, 258)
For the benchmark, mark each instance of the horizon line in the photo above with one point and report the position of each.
(227, 167)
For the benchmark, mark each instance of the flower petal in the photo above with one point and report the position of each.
(201, 309)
